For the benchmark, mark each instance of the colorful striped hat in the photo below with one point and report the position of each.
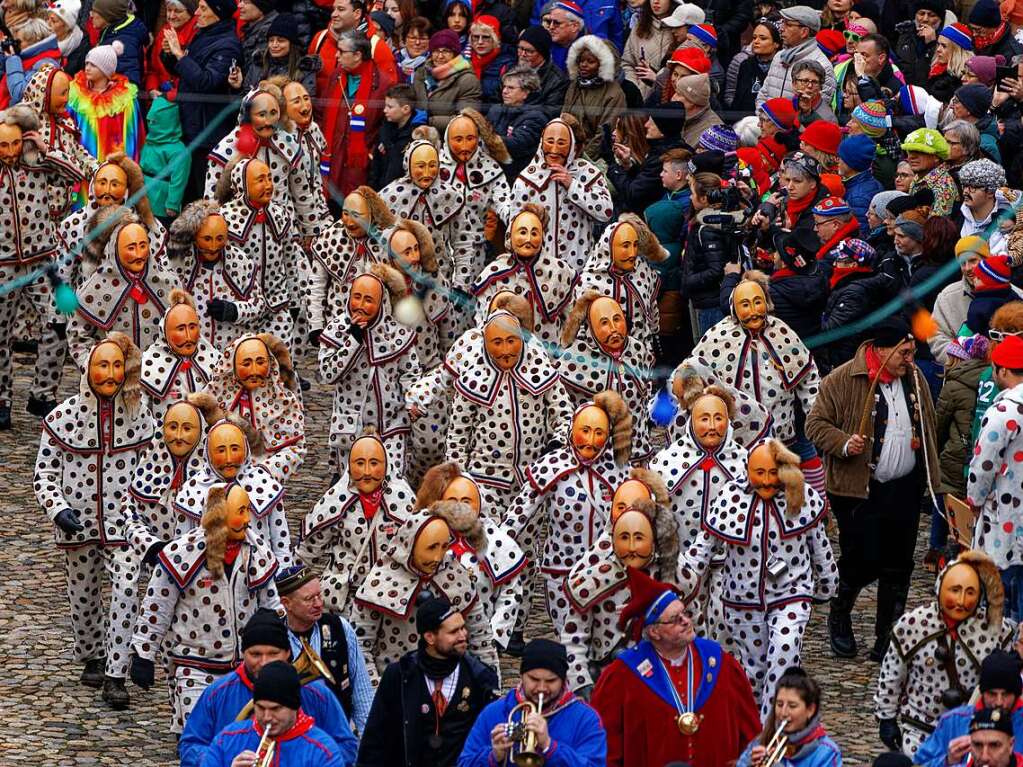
(831, 206)
(568, 6)
(856, 250)
(993, 273)
(873, 117)
(959, 34)
(706, 34)
(720, 138)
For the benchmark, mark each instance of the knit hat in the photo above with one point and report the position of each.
(913, 99)
(224, 9)
(570, 7)
(908, 202)
(805, 162)
(780, 111)
(985, 13)
(830, 207)
(104, 58)
(432, 613)
(910, 227)
(545, 654)
(992, 719)
(696, 88)
(191, 6)
(857, 152)
(278, 683)
(705, 33)
(866, 9)
(937, 7)
(1000, 669)
(984, 67)
(284, 25)
(972, 245)
(873, 117)
(822, 136)
(112, 10)
(291, 579)
(805, 15)
(973, 347)
(992, 273)
(879, 202)
(982, 174)
(445, 39)
(265, 627)
(891, 331)
(856, 250)
(719, 137)
(959, 34)
(670, 118)
(67, 11)
(692, 58)
(975, 97)
(831, 42)
(927, 141)
(538, 37)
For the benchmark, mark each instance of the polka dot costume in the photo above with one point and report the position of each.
(71, 233)
(168, 377)
(337, 259)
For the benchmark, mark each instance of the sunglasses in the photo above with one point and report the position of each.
(851, 37)
(1001, 335)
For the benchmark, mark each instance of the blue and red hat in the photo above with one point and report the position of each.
(781, 112)
(706, 34)
(959, 34)
(856, 250)
(568, 6)
(992, 273)
(831, 206)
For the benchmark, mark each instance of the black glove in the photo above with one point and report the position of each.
(357, 332)
(314, 337)
(294, 312)
(60, 328)
(143, 672)
(890, 734)
(67, 520)
(153, 553)
(223, 311)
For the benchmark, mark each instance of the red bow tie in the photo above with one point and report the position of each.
(261, 216)
(138, 293)
(460, 172)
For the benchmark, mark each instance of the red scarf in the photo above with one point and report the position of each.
(303, 723)
(231, 552)
(851, 229)
(874, 366)
(461, 546)
(795, 208)
(979, 41)
(839, 273)
(371, 503)
(937, 69)
(355, 143)
(479, 63)
(779, 274)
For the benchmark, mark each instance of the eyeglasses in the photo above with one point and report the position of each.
(1001, 335)
(904, 174)
(552, 23)
(686, 616)
(526, 51)
(808, 81)
(851, 37)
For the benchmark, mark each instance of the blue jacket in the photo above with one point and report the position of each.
(18, 69)
(577, 736)
(826, 754)
(859, 191)
(305, 746)
(950, 726)
(221, 702)
(602, 18)
(135, 38)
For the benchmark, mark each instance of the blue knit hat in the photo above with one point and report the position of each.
(856, 250)
(857, 152)
(959, 34)
(720, 138)
(705, 33)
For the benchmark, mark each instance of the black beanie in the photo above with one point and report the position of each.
(432, 613)
(539, 38)
(1000, 671)
(937, 7)
(670, 119)
(997, 719)
(266, 627)
(547, 655)
(891, 331)
(975, 98)
(284, 25)
(278, 683)
(985, 13)
(265, 5)
(225, 9)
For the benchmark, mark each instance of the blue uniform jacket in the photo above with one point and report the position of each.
(950, 726)
(577, 736)
(224, 699)
(826, 754)
(304, 747)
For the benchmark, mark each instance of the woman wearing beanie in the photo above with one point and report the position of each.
(105, 106)
(820, 140)
(447, 84)
(180, 23)
(62, 17)
(594, 97)
(283, 56)
(115, 22)
(954, 48)
(856, 291)
(490, 59)
(871, 118)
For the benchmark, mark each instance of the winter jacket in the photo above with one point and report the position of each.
(134, 36)
(708, 248)
(387, 164)
(490, 77)
(164, 151)
(202, 74)
(520, 128)
(943, 86)
(989, 138)
(851, 300)
(18, 69)
(157, 77)
(954, 414)
(443, 99)
(310, 15)
(742, 87)
(74, 57)
(667, 220)
(640, 186)
(859, 191)
(399, 704)
(697, 124)
(954, 724)
(914, 57)
(601, 17)
(950, 310)
(599, 103)
(798, 298)
(553, 84)
(263, 67)
(997, 241)
(254, 36)
(730, 20)
(303, 743)
(778, 83)
(654, 50)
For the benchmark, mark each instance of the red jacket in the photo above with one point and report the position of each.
(156, 73)
(324, 45)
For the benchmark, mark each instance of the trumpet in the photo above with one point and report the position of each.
(265, 750)
(776, 746)
(523, 751)
(310, 667)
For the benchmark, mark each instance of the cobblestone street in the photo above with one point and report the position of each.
(49, 719)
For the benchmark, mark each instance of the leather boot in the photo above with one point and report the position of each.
(891, 602)
(92, 675)
(40, 407)
(114, 694)
(843, 641)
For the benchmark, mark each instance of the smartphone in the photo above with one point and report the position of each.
(1001, 73)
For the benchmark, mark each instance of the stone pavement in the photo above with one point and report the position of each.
(46, 717)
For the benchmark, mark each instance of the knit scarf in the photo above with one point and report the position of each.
(71, 42)
(795, 208)
(937, 69)
(409, 64)
(479, 63)
(980, 42)
(839, 273)
(589, 82)
(442, 72)
(357, 151)
(874, 369)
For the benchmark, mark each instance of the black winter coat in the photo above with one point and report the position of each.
(798, 299)
(203, 91)
(730, 20)
(553, 85)
(851, 300)
(914, 58)
(402, 716)
(520, 127)
(640, 186)
(747, 84)
(708, 248)
(387, 164)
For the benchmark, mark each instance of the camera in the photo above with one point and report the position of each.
(769, 210)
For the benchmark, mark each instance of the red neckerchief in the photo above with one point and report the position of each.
(185, 365)
(938, 69)
(461, 546)
(839, 273)
(952, 626)
(106, 420)
(779, 274)
(260, 213)
(179, 472)
(243, 675)
(847, 230)
(360, 247)
(460, 172)
(479, 63)
(874, 366)
(303, 723)
(231, 552)
(371, 503)
(795, 208)
(982, 41)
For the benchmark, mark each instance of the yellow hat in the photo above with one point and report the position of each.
(972, 245)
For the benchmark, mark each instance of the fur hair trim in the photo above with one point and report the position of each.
(427, 250)
(536, 209)
(279, 349)
(257, 447)
(685, 380)
(463, 520)
(392, 279)
(104, 224)
(435, 482)
(579, 134)
(183, 229)
(494, 143)
(618, 414)
(214, 525)
(600, 49)
(22, 115)
(206, 404)
(131, 389)
(649, 246)
(136, 184)
(693, 394)
(789, 474)
(379, 214)
(577, 317)
(654, 481)
(990, 579)
(275, 88)
(665, 536)
(180, 296)
(427, 133)
(761, 279)
(225, 187)
(515, 305)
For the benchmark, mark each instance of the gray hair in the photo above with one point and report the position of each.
(31, 31)
(22, 115)
(528, 79)
(813, 66)
(967, 134)
(796, 170)
(359, 42)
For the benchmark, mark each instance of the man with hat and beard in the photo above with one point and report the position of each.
(874, 419)
(263, 641)
(279, 717)
(568, 733)
(437, 691)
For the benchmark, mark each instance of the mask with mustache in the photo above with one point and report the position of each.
(607, 322)
(226, 449)
(750, 305)
(763, 473)
(181, 429)
(252, 364)
(367, 465)
(709, 417)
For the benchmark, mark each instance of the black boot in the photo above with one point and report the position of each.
(891, 603)
(303, 384)
(114, 694)
(5, 417)
(25, 346)
(515, 645)
(40, 407)
(843, 641)
(92, 675)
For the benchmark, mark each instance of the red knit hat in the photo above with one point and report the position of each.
(648, 600)
(822, 136)
(831, 42)
(691, 58)
(1009, 353)
(780, 112)
(490, 21)
(993, 273)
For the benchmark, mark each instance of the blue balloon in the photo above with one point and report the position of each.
(664, 409)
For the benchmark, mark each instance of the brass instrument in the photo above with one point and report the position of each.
(310, 667)
(265, 750)
(523, 751)
(776, 746)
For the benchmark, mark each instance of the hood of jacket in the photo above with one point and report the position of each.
(600, 49)
(164, 122)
